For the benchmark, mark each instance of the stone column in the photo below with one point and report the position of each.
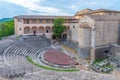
(68, 35)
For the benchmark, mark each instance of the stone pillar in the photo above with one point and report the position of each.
(68, 35)
(84, 42)
(92, 54)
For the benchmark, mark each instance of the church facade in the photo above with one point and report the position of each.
(94, 30)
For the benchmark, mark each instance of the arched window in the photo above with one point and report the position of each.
(41, 29)
(26, 30)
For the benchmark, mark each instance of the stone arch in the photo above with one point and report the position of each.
(26, 30)
(34, 29)
(48, 29)
(41, 29)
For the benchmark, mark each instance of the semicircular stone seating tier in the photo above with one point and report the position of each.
(15, 55)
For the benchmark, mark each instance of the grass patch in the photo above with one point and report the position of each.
(49, 68)
(98, 61)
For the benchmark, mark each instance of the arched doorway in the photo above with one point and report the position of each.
(34, 30)
(48, 29)
(64, 36)
(26, 30)
(41, 29)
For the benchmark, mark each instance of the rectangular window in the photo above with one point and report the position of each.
(40, 21)
(47, 21)
(26, 21)
(34, 21)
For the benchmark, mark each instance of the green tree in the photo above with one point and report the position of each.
(6, 28)
(58, 27)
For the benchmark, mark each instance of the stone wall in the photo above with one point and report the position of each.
(106, 32)
(84, 53)
(99, 52)
(84, 42)
(119, 34)
(74, 32)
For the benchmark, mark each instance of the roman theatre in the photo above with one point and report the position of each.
(32, 53)
(92, 30)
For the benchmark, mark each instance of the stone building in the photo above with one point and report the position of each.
(28, 24)
(94, 30)
(98, 29)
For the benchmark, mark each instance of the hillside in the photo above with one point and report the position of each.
(5, 19)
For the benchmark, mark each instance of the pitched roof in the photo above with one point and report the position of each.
(83, 11)
(43, 17)
(104, 10)
(90, 11)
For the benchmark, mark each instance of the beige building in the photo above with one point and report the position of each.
(94, 30)
(28, 24)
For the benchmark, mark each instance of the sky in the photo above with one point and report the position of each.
(11, 8)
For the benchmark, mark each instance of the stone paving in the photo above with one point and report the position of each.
(80, 75)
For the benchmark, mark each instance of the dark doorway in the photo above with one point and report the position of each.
(106, 51)
(47, 31)
(64, 36)
(34, 32)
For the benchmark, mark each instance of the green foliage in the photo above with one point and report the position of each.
(97, 61)
(58, 27)
(6, 28)
(49, 68)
